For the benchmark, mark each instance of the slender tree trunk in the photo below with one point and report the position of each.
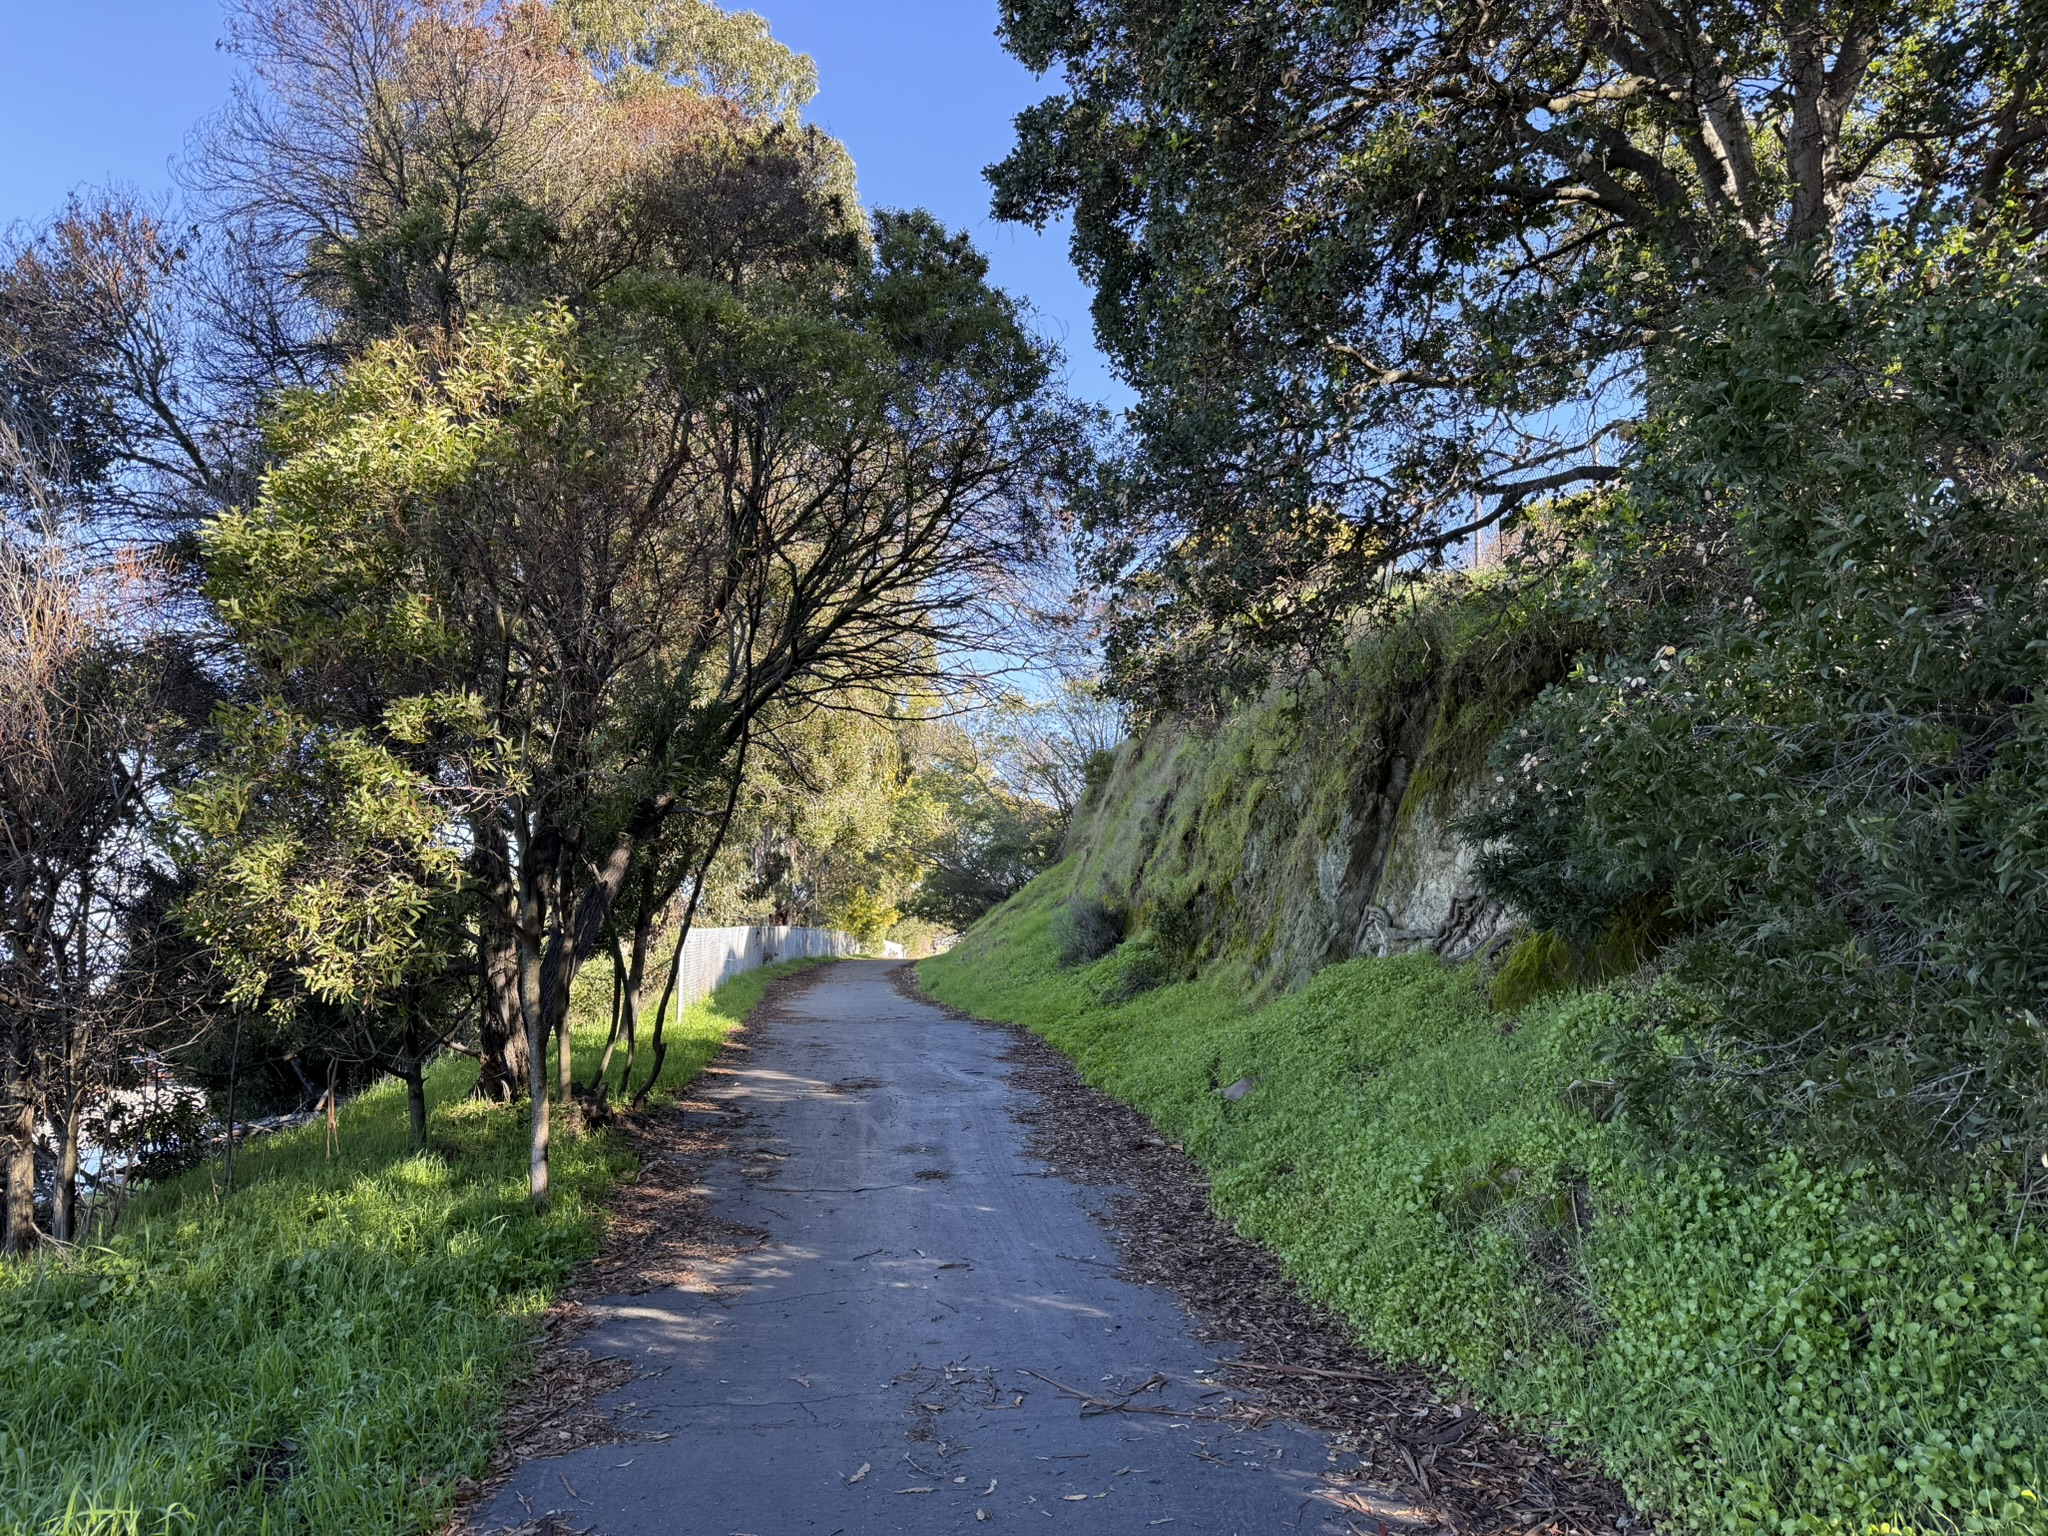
(658, 1043)
(64, 1197)
(415, 1086)
(536, 1065)
(234, 1079)
(64, 1203)
(565, 1058)
(629, 976)
(601, 1088)
(502, 1032)
(18, 1129)
(333, 1108)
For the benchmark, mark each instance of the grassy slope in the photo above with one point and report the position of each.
(1773, 1354)
(326, 1350)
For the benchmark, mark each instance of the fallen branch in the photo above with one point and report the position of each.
(1090, 1403)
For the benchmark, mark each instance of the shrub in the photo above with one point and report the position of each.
(1181, 933)
(1135, 969)
(1836, 778)
(1086, 929)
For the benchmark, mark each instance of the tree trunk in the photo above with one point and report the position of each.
(234, 1075)
(565, 1057)
(715, 842)
(64, 1202)
(18, 1130)
(629, 978)
(415, 1087)
(536, 1066)
(502, 1033)
(333, 1107)
(601, 1087)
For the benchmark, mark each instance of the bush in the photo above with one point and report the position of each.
(1086, 929)
(1135, 969)
(1837, 780)
(1179, 929)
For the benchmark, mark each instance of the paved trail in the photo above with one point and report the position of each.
(920, 1266)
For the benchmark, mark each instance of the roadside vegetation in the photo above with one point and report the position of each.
(510, 505)
(1585, 457)
(327, 1349)
(1787, 1347)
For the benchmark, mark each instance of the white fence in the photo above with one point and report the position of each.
(712, 956)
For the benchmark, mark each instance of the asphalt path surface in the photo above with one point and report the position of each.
(885, 1360)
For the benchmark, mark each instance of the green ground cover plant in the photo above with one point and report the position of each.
(1763, 1349)
(324, 1350)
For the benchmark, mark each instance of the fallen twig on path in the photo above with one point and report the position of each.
(1090, 1403)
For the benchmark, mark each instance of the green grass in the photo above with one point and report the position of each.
(1782, 1353)
(324, 1351)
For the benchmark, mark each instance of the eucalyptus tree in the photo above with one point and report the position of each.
(1384, 274)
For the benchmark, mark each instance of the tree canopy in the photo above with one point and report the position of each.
(1384, 275)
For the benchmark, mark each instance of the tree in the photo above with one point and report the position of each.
(324, 874)
(84, 701)
(96, 694)
(1386, 274)
(1052, 747)
(991, 842)
(1828, 788)
(636, 531)
(103, 413)
(388, 167)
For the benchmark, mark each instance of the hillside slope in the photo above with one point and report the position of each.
(1778, 1348)
(1315, 826)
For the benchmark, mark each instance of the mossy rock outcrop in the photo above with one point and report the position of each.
(1317, 824)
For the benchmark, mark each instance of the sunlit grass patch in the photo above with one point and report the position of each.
(325, 1350)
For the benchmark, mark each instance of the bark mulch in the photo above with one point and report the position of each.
(1421, 1458)
(659, 1233)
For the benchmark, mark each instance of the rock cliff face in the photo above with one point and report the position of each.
(1317, 825)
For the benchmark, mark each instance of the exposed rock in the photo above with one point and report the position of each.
(1318, 825)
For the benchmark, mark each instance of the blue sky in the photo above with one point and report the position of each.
(104, 92)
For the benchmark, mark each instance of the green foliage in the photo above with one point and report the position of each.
(1379, 269)
(1180, 929)
(1085, 929)
(320, 864)
(864, 915)
(1777, 1350)
(994, 841)
(1839, 783)
(728, 55)
(325, 1350)
(1134, 968)
(1541, 965)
